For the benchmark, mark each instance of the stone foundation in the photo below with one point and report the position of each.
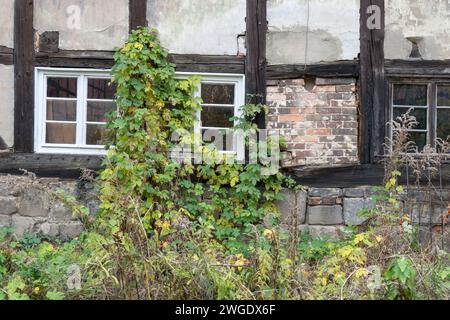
(29, 207)
(326, 211)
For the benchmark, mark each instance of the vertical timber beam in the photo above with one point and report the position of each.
(23, 76)
(255, 60)
(372, 80)
(138, 14)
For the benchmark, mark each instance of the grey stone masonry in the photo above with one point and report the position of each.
(352, 206)
(293, 206)
(328, 210)
(325, 215)
(28, 206)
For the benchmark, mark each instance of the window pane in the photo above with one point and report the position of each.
(62, 87)
(419, 113)
(218, 93)
(443, 96)
(218, 137)
(100, 89)
(420, 138)
(97, 110)
(443, 123)
(217, 117)
(95, 134)
(61, 110)
(61, 133)
(410, 95)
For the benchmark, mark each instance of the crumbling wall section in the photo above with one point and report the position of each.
(312, 31)
(425, 21)
(318, 120)
(198, 27)
(7, 23)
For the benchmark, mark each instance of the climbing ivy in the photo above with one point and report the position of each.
(141, 182)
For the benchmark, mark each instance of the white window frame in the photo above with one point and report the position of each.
(40, 113)
(239, 100)
(41, 74)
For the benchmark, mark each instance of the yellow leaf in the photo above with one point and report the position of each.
(234, 181)
(361, 273)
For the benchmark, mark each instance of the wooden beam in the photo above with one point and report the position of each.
(75, 59)
(255, 62)
(23, 76)
(340, 69)
(137, 14)
(62, 166)
(373, 87)
(208, 63)
(418, 68)
(353, 176)
(105, 60)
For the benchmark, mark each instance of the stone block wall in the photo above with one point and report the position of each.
(326, 211)
(29, 207)
(318, 119)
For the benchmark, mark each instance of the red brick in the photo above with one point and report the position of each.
(318, 132)
(291, 118)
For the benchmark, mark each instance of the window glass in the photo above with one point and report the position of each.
(217, 93)
(100, 89)
(443, 123)
(97, 110)
(217, 117)
(419, 113)
(95, 134)
(61, 110)
(410, 95)
(420, 138)
(61, 87)
(61, 133)
(443, 95)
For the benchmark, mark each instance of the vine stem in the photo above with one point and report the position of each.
(345, 282)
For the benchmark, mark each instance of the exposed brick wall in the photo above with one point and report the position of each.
(319, 121)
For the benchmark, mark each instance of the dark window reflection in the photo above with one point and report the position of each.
(95, 134)
(61, 133)
(420, 138)
(410, 95)
(443, 96)
(218, 93)
(62, 110)
(443, 123)
(62, 87)
(101, 89)
(217, 117)
(97, 110)
(419, 113)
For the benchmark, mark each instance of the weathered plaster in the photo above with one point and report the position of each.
(429, 19)
(7, 23)
(198, 27)
(100, 24)
(7, 104)
(333, 31)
